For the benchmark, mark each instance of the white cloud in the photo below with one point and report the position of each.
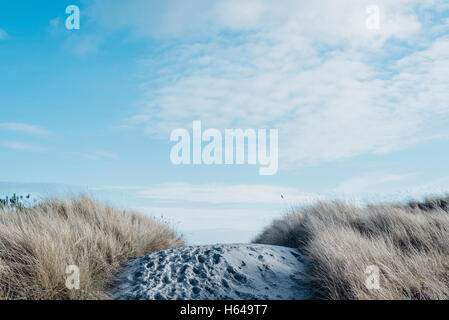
(209, 208)
(117, 188)
(77, 42)
(310, 68)
(230, 194)
(326, 108)
(106, 154)
(210, 218)
(81, 45)
(212, 194)
(212, 208)
(97, 155)
(369, 182)
(174, 18)
(20, 146)
(55, 26)
(212, 225)
(3, 34)
(23, 128)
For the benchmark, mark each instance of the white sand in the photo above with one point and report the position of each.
(236, 271)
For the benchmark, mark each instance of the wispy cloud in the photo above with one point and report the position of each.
(369, 182)
(182, 192)
(3, 34)
(118, 188)
(210, 207)
(330, 20)
(97, 155)
(21, 146)
(81, 45)
(333, 88)
(55, 25)
(221, 193)
(24, 128)
(251, 220)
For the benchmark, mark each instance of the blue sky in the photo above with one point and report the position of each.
(362, 114)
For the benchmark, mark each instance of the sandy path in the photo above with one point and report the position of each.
(239, 271)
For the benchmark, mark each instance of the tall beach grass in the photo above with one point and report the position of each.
(38, 243)
(408, 243)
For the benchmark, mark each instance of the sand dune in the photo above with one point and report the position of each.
(239, 271)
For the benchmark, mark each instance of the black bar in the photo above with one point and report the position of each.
(146, 310)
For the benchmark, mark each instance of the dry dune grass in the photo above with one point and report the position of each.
(408, 243)
(38, 243)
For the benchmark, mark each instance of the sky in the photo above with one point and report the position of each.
(362, 111)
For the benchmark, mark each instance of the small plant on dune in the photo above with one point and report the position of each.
(431, 204)
(18, 202)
